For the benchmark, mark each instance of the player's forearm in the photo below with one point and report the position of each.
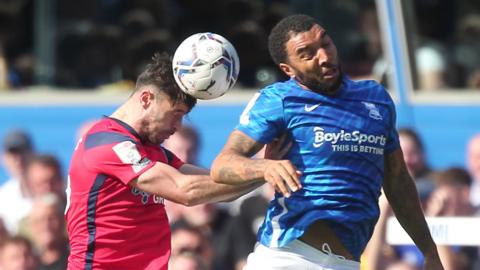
(201, 189)
(402, 196)
(187, 189)
(231, 168)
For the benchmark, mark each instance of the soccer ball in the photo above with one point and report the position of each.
(205, 65)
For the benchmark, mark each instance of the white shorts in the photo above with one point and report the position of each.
(298, 256)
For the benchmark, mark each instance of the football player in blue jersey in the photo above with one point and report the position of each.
(344, 149)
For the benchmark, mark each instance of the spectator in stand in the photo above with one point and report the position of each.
(473, 160)
(18, 149)
(185, 143)
(46, 229)
(190, 239)
(44, 176)
(450, 199)
(243, 228)
(465, 50)
(16, 253)
(212, 221)
(187, 261)
(416, 162)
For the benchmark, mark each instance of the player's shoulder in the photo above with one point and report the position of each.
(108, 131)
(368, 85)
(278, 90)
(100, 125)
(369, 89)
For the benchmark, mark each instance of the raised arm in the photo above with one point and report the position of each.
(189, 186)
(402, 195)
(234, 166)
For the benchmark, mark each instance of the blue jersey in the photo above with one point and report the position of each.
(339, 143)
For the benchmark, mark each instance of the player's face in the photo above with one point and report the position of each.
(17, 256)
(313, 60)
(163, 119)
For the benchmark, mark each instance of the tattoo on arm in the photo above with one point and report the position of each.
(234, 163)
(244, 145)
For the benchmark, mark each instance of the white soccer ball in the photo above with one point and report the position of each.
(205, 65)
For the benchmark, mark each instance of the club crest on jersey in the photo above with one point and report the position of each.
(374, 113)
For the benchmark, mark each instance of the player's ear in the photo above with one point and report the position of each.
(287, 69)
(146, 98)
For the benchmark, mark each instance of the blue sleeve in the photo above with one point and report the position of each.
(393, 142)
(262, 119)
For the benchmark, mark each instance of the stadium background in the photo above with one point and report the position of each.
(65, 63)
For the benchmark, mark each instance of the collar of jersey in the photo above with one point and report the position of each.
(125, 126)
(345, 82)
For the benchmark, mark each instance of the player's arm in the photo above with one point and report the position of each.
(402, 195)
(188, 189)
(234, 166)
(192, 169)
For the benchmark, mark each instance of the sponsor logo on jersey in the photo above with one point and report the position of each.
(145, 196)
(337, 141)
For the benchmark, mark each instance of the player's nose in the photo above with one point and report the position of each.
(322, 57)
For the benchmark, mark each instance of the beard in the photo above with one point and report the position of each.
(318, 85)
(147, 135)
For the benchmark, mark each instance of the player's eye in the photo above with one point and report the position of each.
(307, 55)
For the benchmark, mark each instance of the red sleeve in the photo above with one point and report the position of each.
(123, 160)
(173, 160)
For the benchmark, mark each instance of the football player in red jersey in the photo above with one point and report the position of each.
(120, 175)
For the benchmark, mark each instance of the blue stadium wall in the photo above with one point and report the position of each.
(445, 129)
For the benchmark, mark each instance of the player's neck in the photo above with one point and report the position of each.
(127, 114)
(329, 92)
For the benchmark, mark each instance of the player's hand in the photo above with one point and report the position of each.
(277, 149)
(283, 176)
(439, 203)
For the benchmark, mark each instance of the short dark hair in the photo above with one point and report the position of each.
(47, 160)
(159, 73)
(283, 31)
(454, 176)
(17, 141)
(16, 240)
(413, 135)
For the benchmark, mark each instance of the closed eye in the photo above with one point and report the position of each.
(305, 53)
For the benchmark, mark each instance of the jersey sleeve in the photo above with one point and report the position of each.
(124, 160)
(172, 159)
(393, 141)
(263, 117)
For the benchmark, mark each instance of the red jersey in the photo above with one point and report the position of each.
(112, 225)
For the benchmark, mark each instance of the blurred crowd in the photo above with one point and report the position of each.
(216, 236)
(102, 43)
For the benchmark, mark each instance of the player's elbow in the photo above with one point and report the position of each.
(191, 194)
(215, 171)
(192, 198)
